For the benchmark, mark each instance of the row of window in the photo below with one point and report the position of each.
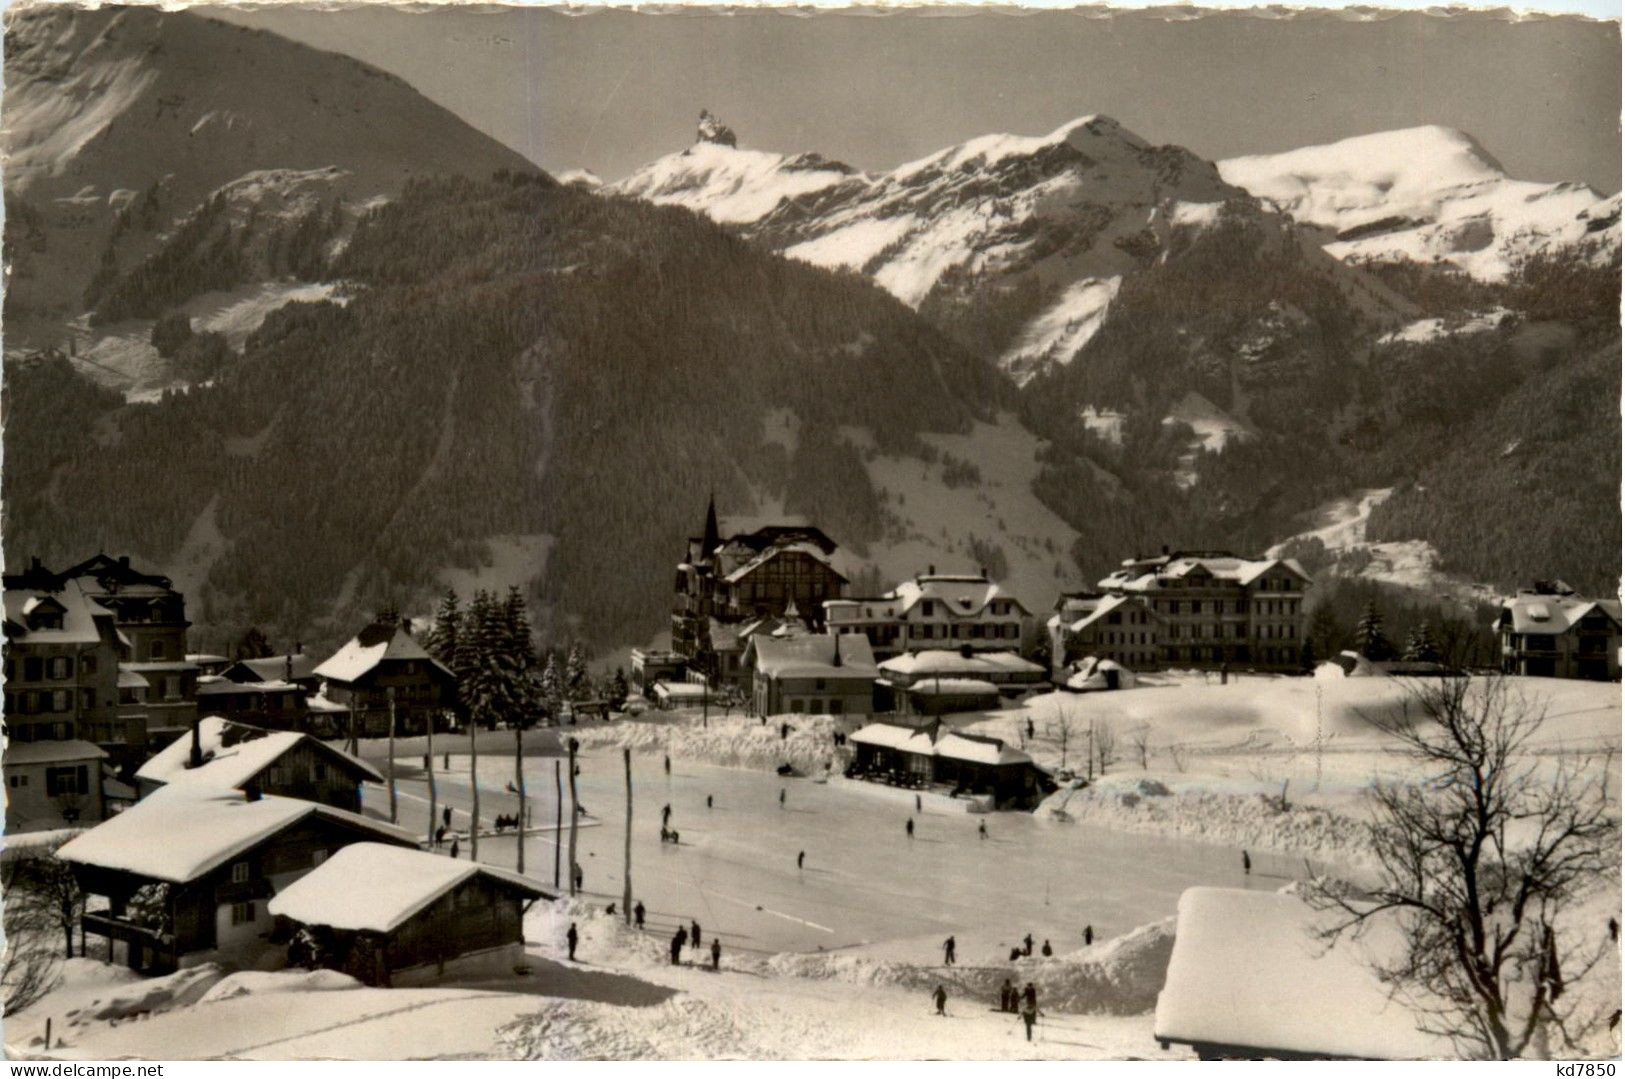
(817, 707)
(965, 631)
(38, 702)
(39, 732)
(49, 668)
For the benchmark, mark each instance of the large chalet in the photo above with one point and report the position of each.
(382, 671)
(934, 611)
(1549, 631)
(721, 585)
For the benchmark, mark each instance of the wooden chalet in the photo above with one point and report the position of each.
(188, 871)
(236, 756)
(420, 916)
(382, 660)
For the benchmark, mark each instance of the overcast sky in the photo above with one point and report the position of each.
(610, 90)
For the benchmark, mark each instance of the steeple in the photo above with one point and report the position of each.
(712, 540)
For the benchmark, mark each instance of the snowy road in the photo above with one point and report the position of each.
(865, 884)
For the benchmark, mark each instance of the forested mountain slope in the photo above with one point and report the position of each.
(517, 359)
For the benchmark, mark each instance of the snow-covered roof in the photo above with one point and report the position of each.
(371, 647)
(806, 547)
(52, 752)
(79, 615)
(272, 668)
(931, 741)
(979, 750)
(183, 831)
(932, 661)
(128, 679)
(1092, 672)
(319, 703)
(235, 753)
(1250, 971)
(954, 687)
(400, 883)
(1537, 613)
(1137, 575)
(813, 656)
(890, 735)
(225, 687)
(961, 594)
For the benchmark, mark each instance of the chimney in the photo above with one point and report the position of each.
(1165, 550)
(983, 571)
(931, 571)
(287, 668)
(195, 758)
(836, 662)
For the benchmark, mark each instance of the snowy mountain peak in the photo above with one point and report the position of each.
(714, 130)
(1424, 194)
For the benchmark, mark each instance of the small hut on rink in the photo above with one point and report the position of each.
(964, 764)
(1093, 673)
(944, 696)
(1251, 978)
(392, 917)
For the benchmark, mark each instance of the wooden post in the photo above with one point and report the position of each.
(429, 760)
(575, 811)
(558, 817)
(394, 817)
(474, 783)
(519, 784)
(626, 891)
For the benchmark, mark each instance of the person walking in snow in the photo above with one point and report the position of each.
(668, 764)
(981, 829)
(1246, 864)
(909, 827)
(708, 801)
(941, 997)
(1027, 944)
(801, 859)
(948, 952)
(1007, 997)
(440, 835)
(637, 914)
(1046, 951)
(445, 816)
(1613, 930)
(665, 814)
(716, 954)
(694, 933)
(917, 808)
(781, 797)
(580, 877)
(677, 941)
(570, 939)
(454, 846)
(1088, 935)
(1029, 727)
(1029, 1008)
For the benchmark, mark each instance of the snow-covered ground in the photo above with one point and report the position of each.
(837, 958)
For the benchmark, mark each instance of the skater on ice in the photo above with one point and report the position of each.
(941, 997)
(909, 827)
(981, 829)
(694, 933)
(1088, 935)
(1246, 864)
(570, 938)
(1046, 951)
(716, 954)
(1029, 1008)
(637, 914)
(1007, 996)
(1027, 944)
(948, 952)
(801, 859)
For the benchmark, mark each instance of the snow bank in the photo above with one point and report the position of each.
(1117, 977)
(150, 995)
(250, 982)
(734, 742)
(1252, 821)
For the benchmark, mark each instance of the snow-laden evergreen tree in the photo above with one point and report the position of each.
(518, 661)
(442, 640)
(576, 682)
(552, 688)
(1369, 637)
(618, 689)
(475, 666)
(1420, 645)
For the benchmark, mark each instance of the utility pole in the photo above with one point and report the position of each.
(428, 759)
(474, 784)
(558, 818)
(394, 817)
(575, 812)
(626, 891)
(519, 784)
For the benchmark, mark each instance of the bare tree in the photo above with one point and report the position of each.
(1103, 742)
(1142, 746)
(46, 886)
(29, 965)
(1068, 725)
(1479, 857)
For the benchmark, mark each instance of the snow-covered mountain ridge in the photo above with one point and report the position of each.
(1068, 213)
(1426, 194)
